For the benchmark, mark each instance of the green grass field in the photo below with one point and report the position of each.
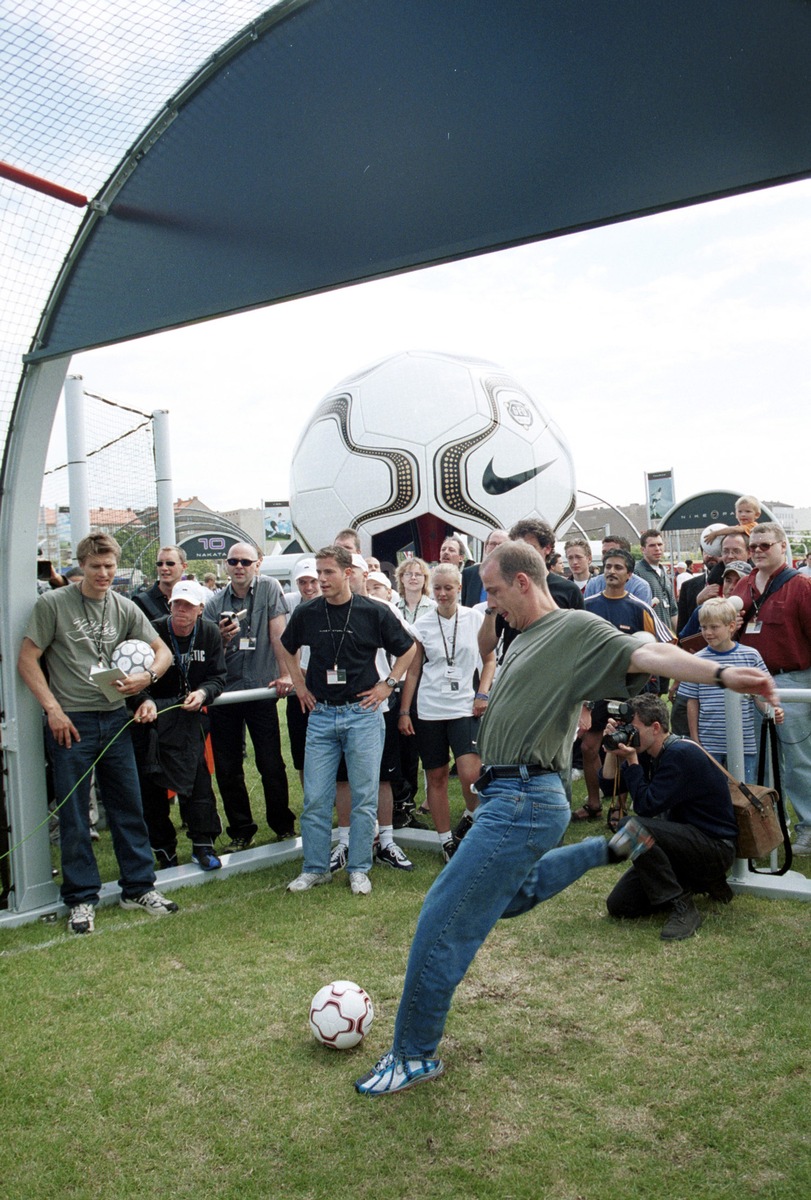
(585, 1058)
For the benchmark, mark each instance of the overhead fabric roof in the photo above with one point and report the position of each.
(347, 139)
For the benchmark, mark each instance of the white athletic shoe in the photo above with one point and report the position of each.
(360, 883)
(308, 880)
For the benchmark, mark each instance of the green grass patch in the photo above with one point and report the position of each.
(585, 1058)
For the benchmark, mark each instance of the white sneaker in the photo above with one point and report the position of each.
(360, 883)
(802, 842)
(308, 880)
(82, 918)
(151, 902)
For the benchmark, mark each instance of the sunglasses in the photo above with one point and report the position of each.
(240, 562)
(166, 562)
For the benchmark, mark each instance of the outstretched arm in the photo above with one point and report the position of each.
(657, 658)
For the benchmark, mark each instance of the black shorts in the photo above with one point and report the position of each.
(296, 731)
(436, 739)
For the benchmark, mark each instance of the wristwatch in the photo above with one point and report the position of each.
(153, 677)
(391, 682)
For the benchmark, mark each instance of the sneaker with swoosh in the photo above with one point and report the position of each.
(394, 1074)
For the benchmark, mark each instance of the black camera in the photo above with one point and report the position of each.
(623, 735)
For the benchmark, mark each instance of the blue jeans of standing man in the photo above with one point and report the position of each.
(516, 824)
(358, 734)
(794, 746)
(118, 777)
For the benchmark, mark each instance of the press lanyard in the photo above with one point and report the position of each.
(183, 660)
(450, 659)
(97, 631)
(332, 631)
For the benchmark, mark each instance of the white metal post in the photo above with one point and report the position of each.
(78, 491)
(163, 477)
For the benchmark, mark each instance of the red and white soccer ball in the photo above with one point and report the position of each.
(133, 656)
(341, 1014)
(423, 433)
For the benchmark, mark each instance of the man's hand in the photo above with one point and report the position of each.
(283, 685)
(375, 696)
(133, 684)
(404, 725)
(194, 701)
(63, 729)
(146, 712)
(708, 593)
(583, 721)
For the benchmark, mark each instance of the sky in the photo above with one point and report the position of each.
(678, 341)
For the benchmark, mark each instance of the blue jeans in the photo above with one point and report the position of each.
(794, 747)
(494, 873)
(749, 766)
(118, 778)
(358, 734)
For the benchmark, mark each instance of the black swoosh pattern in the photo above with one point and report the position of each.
(404, 468)
(497, 485)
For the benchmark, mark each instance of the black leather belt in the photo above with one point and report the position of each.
(521, 771)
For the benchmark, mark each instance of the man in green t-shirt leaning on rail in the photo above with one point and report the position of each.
(75, 630)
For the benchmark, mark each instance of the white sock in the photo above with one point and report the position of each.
(444, 837)
(343, 835)
(386, 835)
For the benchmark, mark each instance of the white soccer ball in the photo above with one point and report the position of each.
(428, 433)
(341, 1014)
(133, 656)
(710, 544)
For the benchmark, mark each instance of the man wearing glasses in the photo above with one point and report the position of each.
(777, 622)
(170, 565)
(251, 613)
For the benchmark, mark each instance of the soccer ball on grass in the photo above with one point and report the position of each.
(341, 1014)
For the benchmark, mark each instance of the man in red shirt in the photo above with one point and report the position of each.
(777, 622)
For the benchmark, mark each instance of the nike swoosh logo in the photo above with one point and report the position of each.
(497, 485)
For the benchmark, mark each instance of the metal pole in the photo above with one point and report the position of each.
(78, 491)
(163, 477)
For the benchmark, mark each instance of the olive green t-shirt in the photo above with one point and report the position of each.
(555, 664)
(67, 627)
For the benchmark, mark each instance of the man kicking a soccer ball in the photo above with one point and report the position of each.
(506, 863)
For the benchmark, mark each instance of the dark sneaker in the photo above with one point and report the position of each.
(285, 835)
(151, 902)
(237, 844)
(448, 849)
(164, 860)
(338, 858)
(631, 840)
(720, 891)
(392, 1074)
(82, 918)
(463, 826)
(683, 921)
(392, 856)
(205, 858)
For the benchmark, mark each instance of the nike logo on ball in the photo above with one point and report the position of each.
(497, 485)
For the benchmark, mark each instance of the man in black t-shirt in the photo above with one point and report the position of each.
(342, 693)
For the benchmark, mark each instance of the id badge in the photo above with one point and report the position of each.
(247, 643)
(336, 676)
(754, 626)
(450, 685)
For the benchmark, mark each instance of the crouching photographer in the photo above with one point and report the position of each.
(681, 798)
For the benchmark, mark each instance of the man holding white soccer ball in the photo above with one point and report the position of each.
(75, 630)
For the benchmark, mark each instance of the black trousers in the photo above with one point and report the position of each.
(683, 860)
(198, 810)
(227, 726)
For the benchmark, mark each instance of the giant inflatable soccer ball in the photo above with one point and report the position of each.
(428, 433)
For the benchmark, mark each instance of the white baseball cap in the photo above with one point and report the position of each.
(190, 590)
(359, 561)
(305, 570)
(379, 577)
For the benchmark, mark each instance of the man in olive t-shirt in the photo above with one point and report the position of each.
(506, 863)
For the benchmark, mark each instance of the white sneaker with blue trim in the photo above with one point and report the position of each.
(392, 1074)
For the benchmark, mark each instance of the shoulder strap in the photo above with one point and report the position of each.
(769, 729)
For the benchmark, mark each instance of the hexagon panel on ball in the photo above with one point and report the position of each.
(424, 433)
